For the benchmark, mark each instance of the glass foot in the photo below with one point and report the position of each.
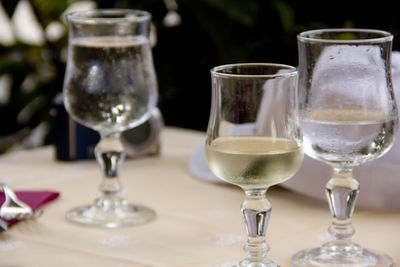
(318, 257)
(110, 214)
(261, 263)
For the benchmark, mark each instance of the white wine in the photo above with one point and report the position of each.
(350, 136)
(254, 162)
(110, 83)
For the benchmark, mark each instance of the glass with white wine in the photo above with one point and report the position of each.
(110, 86)
(348, 116)
(253, 140)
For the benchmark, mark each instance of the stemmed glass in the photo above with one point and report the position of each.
(348, 116)
(110, 86)
(253, 140)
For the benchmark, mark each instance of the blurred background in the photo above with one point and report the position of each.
(190, 37)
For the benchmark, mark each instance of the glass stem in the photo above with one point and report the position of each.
(256, 211)
(342, 191)
(110, 155)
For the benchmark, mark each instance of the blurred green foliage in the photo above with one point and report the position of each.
(212, 32)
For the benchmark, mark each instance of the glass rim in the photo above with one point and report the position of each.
(292, 71)
(106, 15)
(306, 36)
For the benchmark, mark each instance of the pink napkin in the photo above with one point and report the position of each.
(34, 199)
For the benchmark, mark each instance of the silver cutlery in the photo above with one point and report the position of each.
(13, 207)
(3, 226)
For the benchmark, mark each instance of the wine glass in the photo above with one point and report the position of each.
(253, 140)
(348, 116)
(110, 86)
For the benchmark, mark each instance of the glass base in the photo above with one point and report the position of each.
(319, 257)
(261, 263)
(110, 213)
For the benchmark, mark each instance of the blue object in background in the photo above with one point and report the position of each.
(73, 141)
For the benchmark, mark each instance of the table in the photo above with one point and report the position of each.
(198, 223)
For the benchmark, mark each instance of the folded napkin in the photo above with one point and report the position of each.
(379, 179)
(34, 199)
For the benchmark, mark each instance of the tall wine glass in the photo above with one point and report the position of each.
(253, 140)
(110, 86)
(348, 116)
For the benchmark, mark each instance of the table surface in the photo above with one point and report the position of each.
(198, 223)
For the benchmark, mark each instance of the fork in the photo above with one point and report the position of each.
(13, 207)
(3, 226)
